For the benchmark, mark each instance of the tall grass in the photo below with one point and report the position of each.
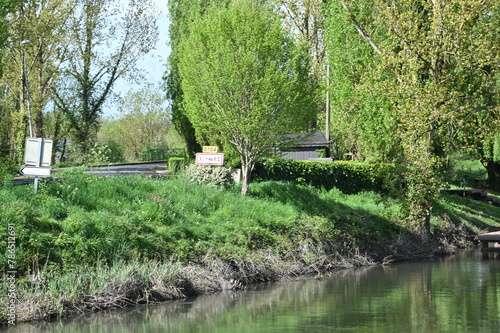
(83, 289)
(87, 219)
(98, 279)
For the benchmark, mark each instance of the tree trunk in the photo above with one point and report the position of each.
(493, 169)
(427, 223)
(246, 175)
(63, 151)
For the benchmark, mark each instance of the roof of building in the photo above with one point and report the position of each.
(316, 139)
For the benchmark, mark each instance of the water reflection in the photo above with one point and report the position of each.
(453, 294)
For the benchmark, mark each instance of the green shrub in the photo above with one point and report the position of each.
(7, 168)
(219, 177)
(349, 177)
(322, 152)
(176, 164)
(113, 152)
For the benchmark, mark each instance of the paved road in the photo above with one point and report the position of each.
(151, 169)
(145, 169)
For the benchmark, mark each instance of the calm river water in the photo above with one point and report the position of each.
(455, 294)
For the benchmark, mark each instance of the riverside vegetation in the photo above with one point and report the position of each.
(89, 243)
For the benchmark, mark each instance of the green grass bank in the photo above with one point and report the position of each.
(89, 243)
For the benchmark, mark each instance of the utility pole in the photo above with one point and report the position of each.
(26, 83)
(28, 100)
(327, 131)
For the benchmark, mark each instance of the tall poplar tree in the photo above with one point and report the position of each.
(361, 119)
(306, 20)
(245, 80)
(6, 7)
(182, 14)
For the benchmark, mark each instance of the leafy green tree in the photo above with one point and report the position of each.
(245, 80)
(479, 121)
(106, 39)
(182, 13)
(441, 65)
(438, 66)
(6, 7)
(144, 123)
(303, 19)
(361, 118)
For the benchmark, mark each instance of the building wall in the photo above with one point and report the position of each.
(299, 155)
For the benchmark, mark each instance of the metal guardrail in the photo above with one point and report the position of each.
(157, 169)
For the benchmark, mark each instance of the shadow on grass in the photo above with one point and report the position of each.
(361, 223)
(304, 199)
(469, 212)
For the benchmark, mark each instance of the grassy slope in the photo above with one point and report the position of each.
(87, 219)
(80, 226)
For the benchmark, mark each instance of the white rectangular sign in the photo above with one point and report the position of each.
(209, 158)
(38, 152)
(36, 171)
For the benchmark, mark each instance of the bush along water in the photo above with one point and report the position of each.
(88, 243)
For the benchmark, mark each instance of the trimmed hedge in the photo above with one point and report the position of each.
(349, 177)
(176, 164)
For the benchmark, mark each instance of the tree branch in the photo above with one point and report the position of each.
(363, 34)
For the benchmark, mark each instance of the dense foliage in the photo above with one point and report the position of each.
(349, 177)
(143, 124)
(182, 13)
(435, 75)
(361, 118)
(6, 8)
(245, 80)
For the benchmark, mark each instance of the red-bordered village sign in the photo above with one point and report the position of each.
(209, 159)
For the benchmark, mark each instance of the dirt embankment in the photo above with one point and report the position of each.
(211, 274)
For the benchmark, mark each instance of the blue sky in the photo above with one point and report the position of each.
(153, 65)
